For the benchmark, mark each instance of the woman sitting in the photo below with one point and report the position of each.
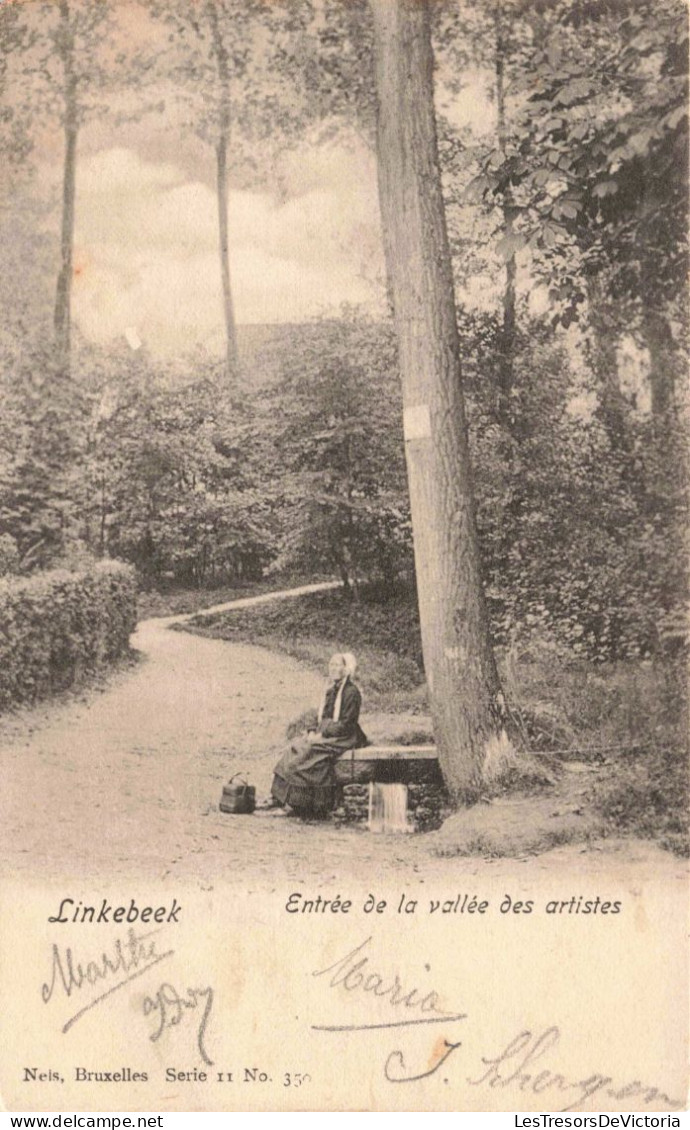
(304, 778)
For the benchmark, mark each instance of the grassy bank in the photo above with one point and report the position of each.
(382, 632)
(175, 601)
(624, 718)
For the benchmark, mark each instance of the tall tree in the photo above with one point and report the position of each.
(15, 113)
(221, 57)
(507, 337)
(491, 41)
(65, 44)
(73, 35)
(67, 57)
(227, 60)
(465, 692)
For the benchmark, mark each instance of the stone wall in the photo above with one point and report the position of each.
(426, 793)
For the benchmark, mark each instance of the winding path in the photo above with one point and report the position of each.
(125, 781)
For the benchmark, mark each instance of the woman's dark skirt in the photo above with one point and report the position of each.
(305, 779)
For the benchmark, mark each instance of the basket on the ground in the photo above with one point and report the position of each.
(238, 799)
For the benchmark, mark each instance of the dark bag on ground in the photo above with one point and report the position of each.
(238, 799)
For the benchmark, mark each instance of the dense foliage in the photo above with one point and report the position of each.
(581, 537)
(59, 625)
(334, 422)
(571, 202)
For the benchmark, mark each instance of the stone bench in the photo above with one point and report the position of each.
(397, 752)
(388, 764)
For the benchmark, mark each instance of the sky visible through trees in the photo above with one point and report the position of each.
(304, 231)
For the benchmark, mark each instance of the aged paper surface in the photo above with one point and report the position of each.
(280, 1011)
(156, 954)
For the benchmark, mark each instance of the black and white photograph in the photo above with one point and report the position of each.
(344, 555)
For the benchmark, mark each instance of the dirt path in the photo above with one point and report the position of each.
(126, 781)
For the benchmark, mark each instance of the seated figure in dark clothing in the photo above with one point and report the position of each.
(304, 778)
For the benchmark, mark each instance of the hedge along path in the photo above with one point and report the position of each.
(57, 624)
(125, 783)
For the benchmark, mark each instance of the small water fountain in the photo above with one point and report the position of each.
(388, 808)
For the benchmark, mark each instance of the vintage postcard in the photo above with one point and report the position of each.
(343, 548)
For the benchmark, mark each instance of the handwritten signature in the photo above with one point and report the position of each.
(522, 1063)
(128, 959)
(510, 1067)
(355, 974)
(170, 1008)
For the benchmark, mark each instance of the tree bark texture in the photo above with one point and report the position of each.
(668, 396)
(459, 662)
(507, 337)
(222, 188)
(613, 406)
(662, 362)
(63, 292)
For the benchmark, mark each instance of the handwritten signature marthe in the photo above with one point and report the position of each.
(127, 960)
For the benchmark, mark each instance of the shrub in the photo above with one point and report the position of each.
(9, 555)
(59, 624)
(648, 796)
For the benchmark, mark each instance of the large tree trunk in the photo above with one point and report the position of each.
(63, 293)
(222, 187)
(507, 336)
(465, 694)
